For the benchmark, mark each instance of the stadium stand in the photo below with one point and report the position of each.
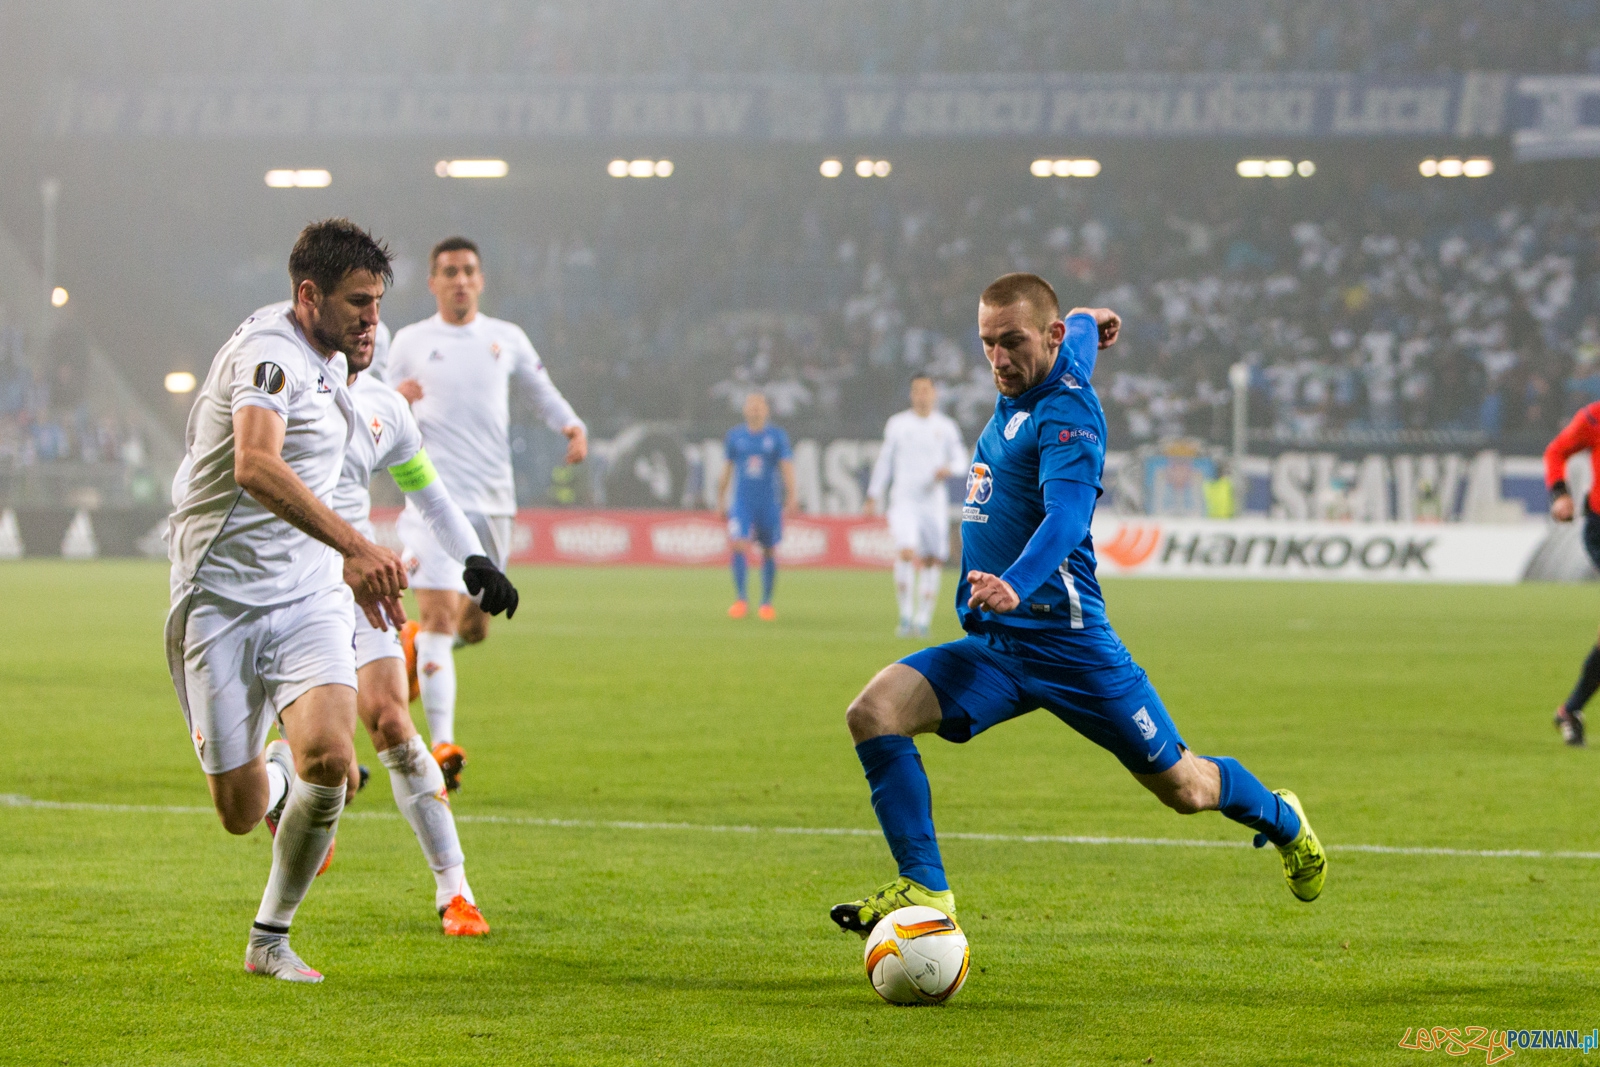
(906, 37)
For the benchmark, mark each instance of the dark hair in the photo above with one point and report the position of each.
(453, 244)
(1010, 288)
(327, 251)
(921, 376)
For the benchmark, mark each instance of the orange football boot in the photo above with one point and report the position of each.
(450, 759)
(739, 609)
(327, 861)
(766, 613)
(461, 918)
(408, 645)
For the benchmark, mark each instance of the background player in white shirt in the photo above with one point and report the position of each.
(388, 437)
(921, 448)
(260, 626)
(456, 369)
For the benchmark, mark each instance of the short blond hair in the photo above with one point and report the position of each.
(1008, 289)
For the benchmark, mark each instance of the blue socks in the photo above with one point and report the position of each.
(740, 568)
(904, 807)
(769, 574)
(1245, 800)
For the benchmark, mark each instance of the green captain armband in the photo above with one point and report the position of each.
(415, 473)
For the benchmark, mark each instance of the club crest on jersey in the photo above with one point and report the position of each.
(494, 350)
(1146, 725)
(269, 377)
(376, 426)
(980, 484)
(1016, 424)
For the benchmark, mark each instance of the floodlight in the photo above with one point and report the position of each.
(1252, 168)
(472, 168)
(663, 168)
(1477, 168)
(58, 297)
(179, 381)
(1039, 168)
(1428, 168)
(1279, 168)
(864, 168)
(881, 168)
(831, 168)
(1450, 168)
(617, 168)
(1305, 168)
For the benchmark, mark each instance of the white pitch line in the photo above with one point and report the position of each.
(16, 800)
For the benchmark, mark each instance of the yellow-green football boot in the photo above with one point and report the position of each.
(860, 916)
(1305, 865)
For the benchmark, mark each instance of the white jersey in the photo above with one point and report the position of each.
(387, 435)
(465, 410)
(221, 539)
(914, 450)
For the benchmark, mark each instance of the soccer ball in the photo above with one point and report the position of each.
(917, 955)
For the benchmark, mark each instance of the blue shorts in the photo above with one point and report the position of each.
(1087, 680)
(763, 525)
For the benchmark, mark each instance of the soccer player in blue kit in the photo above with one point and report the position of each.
(758, 456)
(1037, 634)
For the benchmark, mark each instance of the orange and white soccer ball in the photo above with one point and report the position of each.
(917, 955)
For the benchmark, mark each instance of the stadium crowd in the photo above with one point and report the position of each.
(606, 38)
(1363, 311)
(45, 416)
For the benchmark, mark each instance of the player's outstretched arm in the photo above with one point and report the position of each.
(1068, 510)
(791, 486)
(490, 589)
(1109, 322)
(530, 373)
(1581, 433)
(372, 571)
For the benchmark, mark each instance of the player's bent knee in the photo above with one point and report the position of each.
(238, 823)
(327, 767)
(391, 727)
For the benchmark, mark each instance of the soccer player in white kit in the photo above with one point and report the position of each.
(261, 621)
(389, 438)
(456, 369)
(921, 448)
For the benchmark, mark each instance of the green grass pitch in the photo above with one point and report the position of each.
(1402, 716)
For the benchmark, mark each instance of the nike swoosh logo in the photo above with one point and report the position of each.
(1152, 757)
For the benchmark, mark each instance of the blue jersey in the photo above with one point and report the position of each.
(1055, 430)
(754, 457)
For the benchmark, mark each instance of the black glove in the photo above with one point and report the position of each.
(498, 594)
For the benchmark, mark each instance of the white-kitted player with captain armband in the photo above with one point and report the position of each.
(457, 369)
(388, 438)
(921, 448)
(260, 627)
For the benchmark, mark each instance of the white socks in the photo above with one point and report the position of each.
(436, 670)
(927, 594)
(277, 784)
(420, 795)
(905, 586)
(304, 835)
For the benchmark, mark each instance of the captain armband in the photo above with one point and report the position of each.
(415, 473)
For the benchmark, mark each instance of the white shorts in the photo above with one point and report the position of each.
(237, 667)
(922, 528)
(374, 644)
(431, 567)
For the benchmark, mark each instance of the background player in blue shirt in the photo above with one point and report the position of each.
(1037, 634)
(759, 457)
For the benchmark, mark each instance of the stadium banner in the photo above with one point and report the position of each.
(1557, 117)
(561, 535)
(794, 109)
(1319, 551)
